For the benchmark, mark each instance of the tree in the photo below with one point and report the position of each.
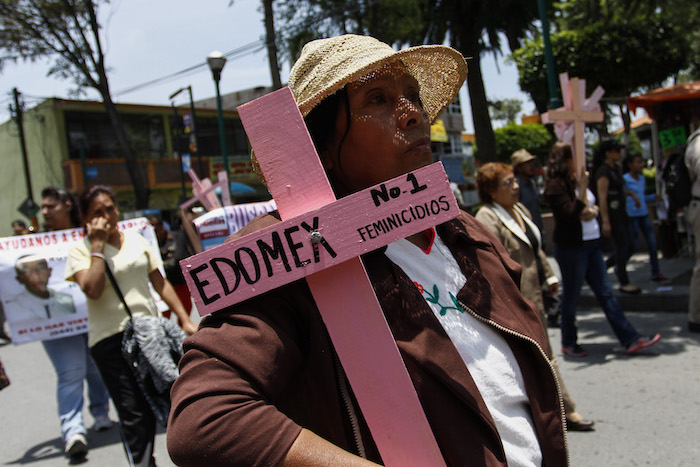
(532, 136)
(622, 56)
(505, 110)
(68, 30)
(471, 26)
(271, 41)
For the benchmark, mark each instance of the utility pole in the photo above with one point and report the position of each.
(31, 208)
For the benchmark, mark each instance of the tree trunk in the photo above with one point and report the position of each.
(271, 47)
(485, 139)
(136, 173)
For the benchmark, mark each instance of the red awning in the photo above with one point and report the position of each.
(678, 92)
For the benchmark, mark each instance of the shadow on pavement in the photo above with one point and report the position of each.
(596, 336)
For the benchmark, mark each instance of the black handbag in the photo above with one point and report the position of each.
(152, 346)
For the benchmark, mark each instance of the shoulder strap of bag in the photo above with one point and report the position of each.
(113, 281)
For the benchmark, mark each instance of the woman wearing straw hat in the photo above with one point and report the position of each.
(260, 383)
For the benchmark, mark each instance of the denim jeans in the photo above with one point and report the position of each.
(643, 223)
(586, 263)
(621, 231)
(71, 359)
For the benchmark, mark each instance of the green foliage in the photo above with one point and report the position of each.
(505, 110)
(621, 56)
(532, 136)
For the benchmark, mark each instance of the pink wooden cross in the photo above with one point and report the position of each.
(321, 238)
(572, 118)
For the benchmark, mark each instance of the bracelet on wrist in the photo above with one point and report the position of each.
(99, 255)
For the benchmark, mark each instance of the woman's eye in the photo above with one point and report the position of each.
(377, 98)
(415, 98)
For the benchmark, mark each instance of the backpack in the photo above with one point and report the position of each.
(677, 179)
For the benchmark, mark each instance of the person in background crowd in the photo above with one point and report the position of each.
(638, 213)
(134, 264)
(260, 383)
(577, 250)
(524, 167)
(692, 161)
(609, 187)
(19, 227)
(510, 221)
(69, 355)
(3, 333)
(173, 248)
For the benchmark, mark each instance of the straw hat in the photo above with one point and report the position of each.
(520, 157)
(327, 65)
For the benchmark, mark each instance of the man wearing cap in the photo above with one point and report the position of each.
(692, 161)
(524, 168)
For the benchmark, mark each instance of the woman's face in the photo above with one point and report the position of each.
(613, 155)
(388, 135)
(508, 191)
(636, 165)
(103, 207)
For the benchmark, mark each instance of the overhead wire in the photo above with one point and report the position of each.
(235, 54)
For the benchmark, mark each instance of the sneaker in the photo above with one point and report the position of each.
(643, 343)
(76, 446)
(102, 423)
(660, 278)
(574, 351)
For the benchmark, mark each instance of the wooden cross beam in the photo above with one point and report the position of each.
(572, 118)
(321, 238)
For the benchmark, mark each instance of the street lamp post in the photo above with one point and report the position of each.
(554, 100)
(216, 63)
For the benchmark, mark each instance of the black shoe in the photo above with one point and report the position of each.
(693, 327)
(634, 291)
(582, 425)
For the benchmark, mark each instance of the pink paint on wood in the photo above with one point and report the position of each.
(571, 119)
(389, 403)
(359, 223)
(295, 177)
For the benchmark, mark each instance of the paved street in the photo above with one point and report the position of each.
(645, 407)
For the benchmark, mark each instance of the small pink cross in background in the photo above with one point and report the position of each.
(570, 120)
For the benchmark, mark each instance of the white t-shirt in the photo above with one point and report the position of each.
(31, 307)
(590, 229)
(485, 352)
(131, 265)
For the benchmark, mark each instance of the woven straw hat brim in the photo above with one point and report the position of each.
(439, 70)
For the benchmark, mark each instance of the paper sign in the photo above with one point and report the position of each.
(352, 226)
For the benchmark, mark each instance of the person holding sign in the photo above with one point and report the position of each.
(134, 264)
(260, 382)
(69, 355)
(577, 250)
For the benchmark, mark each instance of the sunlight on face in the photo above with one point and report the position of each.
(388, 133)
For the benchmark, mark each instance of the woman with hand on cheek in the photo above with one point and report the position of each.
(134, 264)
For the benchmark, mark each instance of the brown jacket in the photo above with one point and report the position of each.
(519, 248)
(255, 373)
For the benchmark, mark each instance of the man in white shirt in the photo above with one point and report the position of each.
(41, 302)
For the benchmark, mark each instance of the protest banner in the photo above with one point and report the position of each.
(39, 303)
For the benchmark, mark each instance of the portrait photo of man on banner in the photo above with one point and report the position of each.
(39, 303)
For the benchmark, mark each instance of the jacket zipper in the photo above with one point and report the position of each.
(349, 408)
(543, 353)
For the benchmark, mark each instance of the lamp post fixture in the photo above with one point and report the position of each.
(216, 63)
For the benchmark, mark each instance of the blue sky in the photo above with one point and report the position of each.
(149, 39)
